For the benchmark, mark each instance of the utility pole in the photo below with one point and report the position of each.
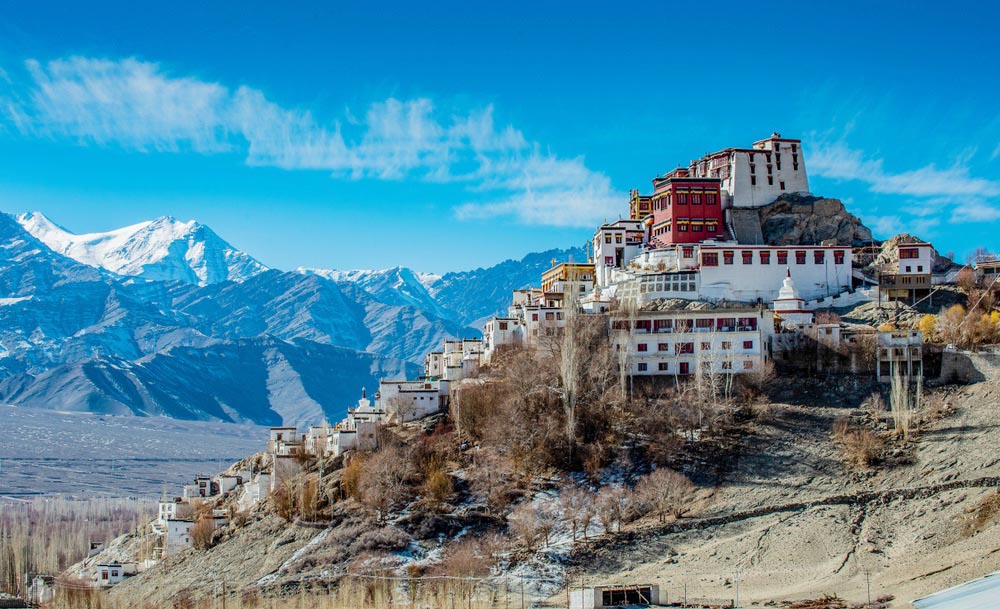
(868, 582)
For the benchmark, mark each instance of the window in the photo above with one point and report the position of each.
(727, 257)
(642, 347)
(920, 269)
(685, 368)
(747, 257)
(710, 258)
(770, 180)
(697, 227)
(664, 366)
(618, 238)
(682, 227)
(642, 367)
(534, 317)
(907, 253)
(706, 346)
(819, 257)
(838, 257)
(748, 365)
(710, 198)
(607, 237)
(704, 323)
(907, 268)
(662, 347)
(687, 252)
(765, 257)
(748, 344)
(683, 348)
(643, 325)
(696, 199)
(753, 180)
(503, 325)
(781, 184)
(662, 325)
(752, 167)
(727, 365)
(800, 257)
(682, 199)
(777, 161)
(550, 316)
(727, 345)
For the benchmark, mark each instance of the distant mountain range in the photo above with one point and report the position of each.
(167, 318)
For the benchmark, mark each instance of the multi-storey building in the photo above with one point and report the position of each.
(568, 278)
(900, 352)
(614, 245)
(683, 342)
(756, 176)
(911, 277)
(686, 209)
(639, 206)
(500, 333)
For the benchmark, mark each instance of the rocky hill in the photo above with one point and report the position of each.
(805, 220)
(792, 518)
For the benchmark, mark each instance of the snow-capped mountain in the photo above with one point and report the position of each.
(79, 333)
(158, 250)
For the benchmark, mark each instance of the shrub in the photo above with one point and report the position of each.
(663, 492)
(862, 448)
(203, 533)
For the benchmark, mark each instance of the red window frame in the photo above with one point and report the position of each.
(728, 256)
(710, 259)
(782, 257)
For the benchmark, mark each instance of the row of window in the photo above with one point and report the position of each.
(685, 367)
(695, 198)
(685, 348)
(729, 256)
(684, 225)
(704, 324)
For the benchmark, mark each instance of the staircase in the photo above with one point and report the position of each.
(744, 224)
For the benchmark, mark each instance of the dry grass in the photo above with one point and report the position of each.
(981, 515)
(47, 535)
(861, 447)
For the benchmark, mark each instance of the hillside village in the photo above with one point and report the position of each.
(698, 297)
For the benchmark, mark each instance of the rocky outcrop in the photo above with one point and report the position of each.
(805, 220)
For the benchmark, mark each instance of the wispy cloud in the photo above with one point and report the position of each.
(930, 190)
(838, 161)
(139, 105)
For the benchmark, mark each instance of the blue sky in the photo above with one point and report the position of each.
(445, 136)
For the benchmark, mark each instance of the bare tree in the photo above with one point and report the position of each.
(612, 506)
(664, 492)
(577, 506)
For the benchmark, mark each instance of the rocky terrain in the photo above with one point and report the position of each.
(802, 219)
(793, 522)
(790, 519)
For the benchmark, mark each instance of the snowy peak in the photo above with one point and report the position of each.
(398, 285)
(161, 249)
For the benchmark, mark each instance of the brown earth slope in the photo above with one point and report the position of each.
(794, 522)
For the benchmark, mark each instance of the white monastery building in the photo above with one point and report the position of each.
(756, 176)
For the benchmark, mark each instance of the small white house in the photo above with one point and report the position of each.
(599, 597)
(109, 574)
(178, 534)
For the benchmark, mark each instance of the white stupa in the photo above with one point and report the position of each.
(789, 306)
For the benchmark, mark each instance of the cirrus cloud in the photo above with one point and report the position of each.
(141, 106)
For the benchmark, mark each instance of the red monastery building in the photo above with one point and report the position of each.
(685, 209)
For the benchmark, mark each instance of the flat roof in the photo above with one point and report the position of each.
(982, 593)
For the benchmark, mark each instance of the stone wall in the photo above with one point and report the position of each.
(959, 366)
